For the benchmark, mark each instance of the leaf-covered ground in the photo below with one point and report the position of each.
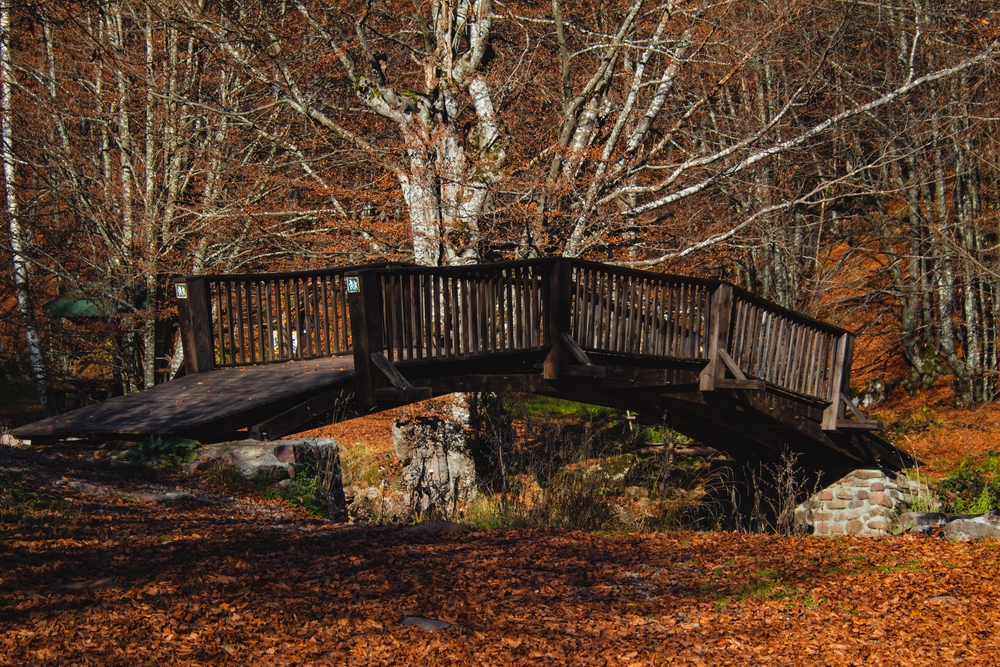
(114, 580)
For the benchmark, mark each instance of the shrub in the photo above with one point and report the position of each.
(974, 486)
(156, 451)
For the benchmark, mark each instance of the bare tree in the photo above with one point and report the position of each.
(19, 233)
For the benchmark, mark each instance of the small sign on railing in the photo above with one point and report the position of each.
(353, 284)
(182, 290)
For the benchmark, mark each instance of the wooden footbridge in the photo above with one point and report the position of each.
(268, 355)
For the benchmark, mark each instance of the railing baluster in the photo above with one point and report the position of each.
(308, 325)
(231, 336)
(428, 320)
(797, 383)
(319, 322)
(327, 331)
(241, 344)
(496, 313)
(333, 323)
(451, 318)
(291, 323)
(408, 317)
(633, 301)
(268, 343)
(399, 312)
(219, 319)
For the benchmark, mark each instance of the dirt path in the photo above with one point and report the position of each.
(113, 580)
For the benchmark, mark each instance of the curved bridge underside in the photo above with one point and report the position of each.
(268, 355)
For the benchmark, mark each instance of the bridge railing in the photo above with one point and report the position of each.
(638, 313)
(413, 314)
(784, 348)
(460, 312)
(244, 319)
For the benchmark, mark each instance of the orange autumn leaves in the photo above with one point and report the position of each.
(251, 581)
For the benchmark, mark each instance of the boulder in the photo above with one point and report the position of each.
(324, 454)
(193, 466)
(278, 460)
(972, 529)
(921, 522)
(382, 506)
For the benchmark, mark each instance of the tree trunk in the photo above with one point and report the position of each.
(17, 229)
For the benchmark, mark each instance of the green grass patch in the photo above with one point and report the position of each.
(300, 493)
(907, 566)
(25, 507)
(543, 407)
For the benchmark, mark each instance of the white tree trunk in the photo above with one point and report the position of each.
(18, 234)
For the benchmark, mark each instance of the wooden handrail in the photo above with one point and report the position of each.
(259, 318)
(446, 313)
(623, 311)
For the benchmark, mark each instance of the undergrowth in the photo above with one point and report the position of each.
(552, 463)
(155, 451)
(27, 508)
(973, 487)
(299, 492)
(234, 481)
(363, 465)
(302, 493)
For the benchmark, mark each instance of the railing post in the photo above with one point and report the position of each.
(557, 314)
(720, 316)
(840, 381)
(194, 311)
(364, 297)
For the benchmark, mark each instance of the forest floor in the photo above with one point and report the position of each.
(98, 569)
(101, 567)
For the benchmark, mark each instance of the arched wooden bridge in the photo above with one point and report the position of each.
(267, 355)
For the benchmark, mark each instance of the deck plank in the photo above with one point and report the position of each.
(195, 400)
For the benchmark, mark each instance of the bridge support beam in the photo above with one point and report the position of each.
(718, 337)
(840, 381)
(194, 311)
(364, 297)
(557, 319)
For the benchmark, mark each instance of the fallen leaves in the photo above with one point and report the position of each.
(253, 582)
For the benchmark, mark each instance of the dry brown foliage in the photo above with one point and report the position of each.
(248, 581)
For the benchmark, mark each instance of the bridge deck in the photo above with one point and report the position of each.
(211, 400)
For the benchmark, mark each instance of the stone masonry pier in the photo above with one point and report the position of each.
(865, 502)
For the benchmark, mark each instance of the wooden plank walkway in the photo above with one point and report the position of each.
(214, 399)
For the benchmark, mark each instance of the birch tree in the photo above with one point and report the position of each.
(634, 110)
(18, 231)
